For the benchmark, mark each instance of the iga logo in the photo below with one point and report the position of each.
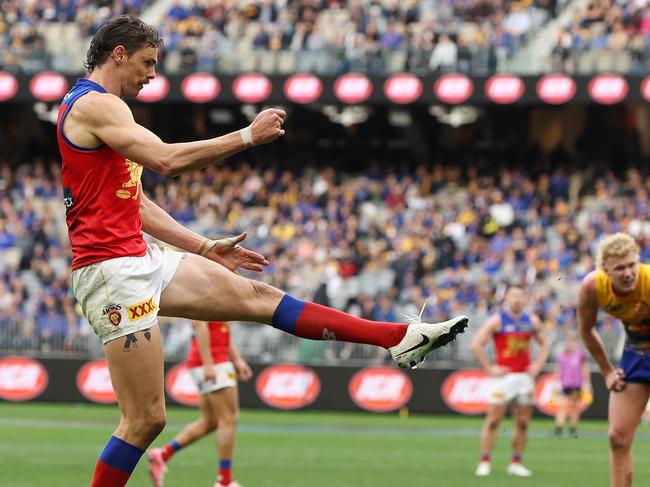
(556, 89)
(21, 378)
(181, 386)
(608, 89)
(504, 88)
(380, 389)
(303, 88)
(156, 90)
(467, 391)
(48, 86)
(252, 88)
(352, 88)
(8, 86)
(547, 395)
(200, 87)
(287, 386)
(94, 382)
(403, 88)
(453, 88)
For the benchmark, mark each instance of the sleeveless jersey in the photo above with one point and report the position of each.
(101, 191)
(632, 309)
(512, 342)
(219, 344)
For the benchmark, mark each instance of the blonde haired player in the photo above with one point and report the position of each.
(621, 287)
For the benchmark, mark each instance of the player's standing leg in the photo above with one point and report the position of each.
(521, 415)
(141, 400)
(226, 402)
(207, 423)
(491, 424)
(625, 410)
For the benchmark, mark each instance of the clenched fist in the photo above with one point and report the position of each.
(267, 126)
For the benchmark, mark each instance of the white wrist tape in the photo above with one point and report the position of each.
(246, 135)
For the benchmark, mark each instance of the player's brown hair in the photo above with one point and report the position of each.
(616, 245)
(125, 30)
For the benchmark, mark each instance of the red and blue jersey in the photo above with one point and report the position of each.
(219, 345)
(512, 342)
(101, 191)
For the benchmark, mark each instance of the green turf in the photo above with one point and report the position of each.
(57, 445)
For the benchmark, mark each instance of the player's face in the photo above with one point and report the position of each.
(623, 271)
(516, 299)
(140, 69)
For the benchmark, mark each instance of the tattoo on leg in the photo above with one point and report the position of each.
(130, 339)
(147, 334)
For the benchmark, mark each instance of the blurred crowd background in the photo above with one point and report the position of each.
(335, 36)
(354, 209)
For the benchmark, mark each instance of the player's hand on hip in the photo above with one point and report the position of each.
(533, 371)
(267, 126)
(228, 253)
(498, 370)
(209, 374)
(615, 380)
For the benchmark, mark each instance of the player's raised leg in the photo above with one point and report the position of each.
(625, 410)
(204, 290)
(141, 400)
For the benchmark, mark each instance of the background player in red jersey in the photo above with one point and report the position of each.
(122, 283)
(215, 364)
(513, 376)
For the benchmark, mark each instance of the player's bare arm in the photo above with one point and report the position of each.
(202, 334)
(244, 371)
(226, 251)
(480, 340)
(104, 118)
(587, 315)
(542, 351)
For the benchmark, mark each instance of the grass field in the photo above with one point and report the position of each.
(57, 445)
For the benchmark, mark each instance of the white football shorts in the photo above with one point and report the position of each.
(517, 387)
(226, 376)
(121, 296)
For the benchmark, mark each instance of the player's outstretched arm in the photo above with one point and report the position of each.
(226, 251)
(587, 315)
(110, 120)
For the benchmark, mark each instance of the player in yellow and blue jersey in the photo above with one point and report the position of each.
(621, 287)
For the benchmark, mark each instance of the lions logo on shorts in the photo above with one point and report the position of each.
(114, 317)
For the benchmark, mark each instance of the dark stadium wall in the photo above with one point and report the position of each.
(419, 391)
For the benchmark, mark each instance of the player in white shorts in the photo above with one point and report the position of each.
(512, 376)
(215, 364)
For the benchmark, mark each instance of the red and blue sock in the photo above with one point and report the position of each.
(116, 463)
(485, 457)
(316, 322)
(225, 472)
(169, 449)
(516, 458)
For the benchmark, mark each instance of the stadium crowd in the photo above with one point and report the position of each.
(376, 244)
(325, 37)
(605, 35)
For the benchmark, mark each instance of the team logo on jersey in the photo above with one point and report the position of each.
(140, 310)
(67, 199)
(131, 188)
(614, 308)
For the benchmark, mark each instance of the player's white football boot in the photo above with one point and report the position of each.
(483, 469)
(518, 470)
(421, 338)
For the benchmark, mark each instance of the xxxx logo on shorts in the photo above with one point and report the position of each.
(113, 312)
(140, 310)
